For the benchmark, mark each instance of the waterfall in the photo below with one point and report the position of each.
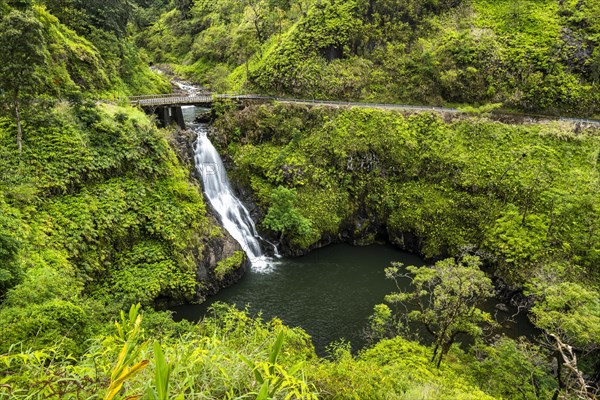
(234, 216)
(191, 90)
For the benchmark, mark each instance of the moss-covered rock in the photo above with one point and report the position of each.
(229, 266)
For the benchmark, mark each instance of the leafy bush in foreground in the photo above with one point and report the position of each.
(230, 355)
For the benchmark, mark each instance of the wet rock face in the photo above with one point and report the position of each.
(182, 141)
(216, 249)
(205, 117)
(578, 51)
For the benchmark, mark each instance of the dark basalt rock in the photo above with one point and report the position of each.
(511, 294)
(182, 141)
(406, 241)
(217, 249)
(205, 117)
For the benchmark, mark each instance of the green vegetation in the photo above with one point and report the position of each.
(446, 299)
(570, 314)
(282, 216)
(205, 360)
(98, 215)
(21, 62)
(523, 198)
(528, 55)
(230, 264)
(66, 53)
(95, 210)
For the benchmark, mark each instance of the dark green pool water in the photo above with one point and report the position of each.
(330, 292)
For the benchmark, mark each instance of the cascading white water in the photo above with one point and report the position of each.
(191, 90)
(234, 216)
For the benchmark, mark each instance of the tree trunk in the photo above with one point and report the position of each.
(19, 128)
(574, 380)
(445, 349)
(561, 384)
(435, 350)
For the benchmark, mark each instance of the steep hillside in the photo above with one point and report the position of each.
(97, 214)
(97, 211)
(532, 56)
(69, 58)
(523, 198)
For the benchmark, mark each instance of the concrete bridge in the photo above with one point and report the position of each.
(167, 107)
(200, 99)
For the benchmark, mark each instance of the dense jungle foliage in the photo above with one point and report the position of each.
(230, 355)
(522, 197)
(528, 55)
(100, 218)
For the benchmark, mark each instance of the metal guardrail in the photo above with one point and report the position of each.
(361, 104)
(580, 120)
(205, 98)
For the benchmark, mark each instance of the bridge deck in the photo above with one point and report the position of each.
(182, 100)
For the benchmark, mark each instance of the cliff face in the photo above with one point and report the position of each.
(223, 263)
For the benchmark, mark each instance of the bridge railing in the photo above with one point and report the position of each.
(181, 100)
(175, 98)
(200, 94)
(154, 96)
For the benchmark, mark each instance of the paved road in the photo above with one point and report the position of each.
(209, 98)
(427, 108)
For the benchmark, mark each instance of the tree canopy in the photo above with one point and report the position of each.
(445, 298)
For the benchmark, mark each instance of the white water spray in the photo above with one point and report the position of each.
(234, 216)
